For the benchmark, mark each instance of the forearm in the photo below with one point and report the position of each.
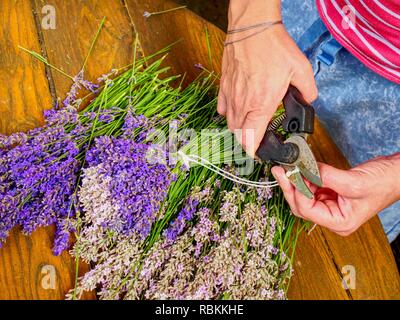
(244, 12)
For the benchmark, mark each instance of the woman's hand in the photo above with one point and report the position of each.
(349, 197)
(256, 72)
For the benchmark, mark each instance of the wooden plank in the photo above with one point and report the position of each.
(160, 31)
(24, 88)
(315, 271)
(375, 269)
(321, 256)
(77, 22)
(28, 269)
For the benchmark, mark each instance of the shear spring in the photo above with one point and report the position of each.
(276, 122)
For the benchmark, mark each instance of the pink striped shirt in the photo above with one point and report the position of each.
(369, 29)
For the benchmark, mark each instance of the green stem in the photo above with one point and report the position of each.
(94, 42)
(44, 60)
(165, 11)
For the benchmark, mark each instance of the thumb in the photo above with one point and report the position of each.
(304, 81)
(340, 181)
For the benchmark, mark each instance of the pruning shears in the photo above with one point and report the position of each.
(293, 154)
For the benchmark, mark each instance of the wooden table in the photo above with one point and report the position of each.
(27, 88)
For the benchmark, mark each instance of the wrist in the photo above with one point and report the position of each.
(246, 12)
(395, 174)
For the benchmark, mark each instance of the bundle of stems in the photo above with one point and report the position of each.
(144, 88)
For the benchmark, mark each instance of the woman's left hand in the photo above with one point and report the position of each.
(349, 197)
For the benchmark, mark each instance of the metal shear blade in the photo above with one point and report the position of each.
(305, 166)
(296, 178)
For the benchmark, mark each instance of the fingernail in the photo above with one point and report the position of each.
(273, 171)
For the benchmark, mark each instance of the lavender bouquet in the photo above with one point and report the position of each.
(151, 223)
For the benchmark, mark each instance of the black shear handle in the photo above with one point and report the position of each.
(299, 119)
(299, 114)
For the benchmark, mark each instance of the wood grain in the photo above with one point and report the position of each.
(77, 22)
(23, 95)
(315, 273)
(184, 26)
(26, 262)
(322, 255)
(24, 90)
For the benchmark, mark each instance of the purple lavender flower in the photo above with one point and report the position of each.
(106, 77)
(8, 142)
(186, 214)
(136, 186)
(134, 122)
(37, 181)
(79, 82)
(90, 115)
(67, 115)
(105, 117)
(61, 238)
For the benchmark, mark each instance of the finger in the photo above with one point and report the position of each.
(343, 233)
(326, 214)
(230, 118)
(340, 181)
(338, 219)
(303, 80)
(227, 86)
(253, 129)
(238, 99)
(303, 204)
(286, 186)
(221, 108)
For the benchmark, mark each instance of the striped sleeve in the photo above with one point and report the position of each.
(369, 29)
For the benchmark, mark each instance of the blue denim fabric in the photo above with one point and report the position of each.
(359, 108)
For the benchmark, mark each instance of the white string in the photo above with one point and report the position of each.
(207, 164)
(289, 173)
(312, 229)
(226, 174)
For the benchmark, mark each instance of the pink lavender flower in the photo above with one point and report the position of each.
(199, 66)
(215, 266)
(205, 260)
(106, 77)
